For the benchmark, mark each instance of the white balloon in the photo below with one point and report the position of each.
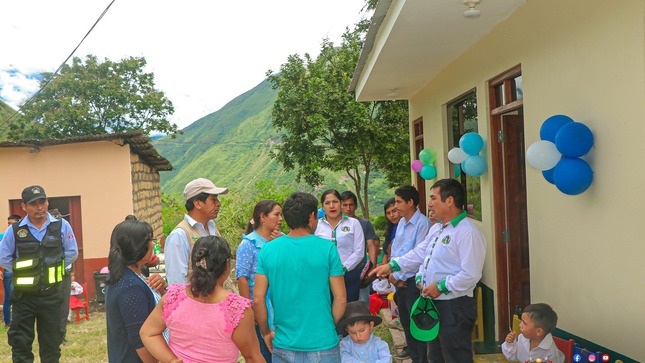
(457, 155)
(543, 155)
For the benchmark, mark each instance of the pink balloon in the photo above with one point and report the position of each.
(104, 270)
(417, 165)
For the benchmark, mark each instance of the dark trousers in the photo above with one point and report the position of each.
(65, 290)
(45, 312)
(8, 287)
(405, 298)
(353, 284)
(454, 343)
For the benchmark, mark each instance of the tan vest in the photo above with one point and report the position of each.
(193, 235)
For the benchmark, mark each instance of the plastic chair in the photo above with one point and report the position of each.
(566, 347)
(85, 305)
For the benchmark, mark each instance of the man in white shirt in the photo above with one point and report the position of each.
(450, 272)
(202, 206)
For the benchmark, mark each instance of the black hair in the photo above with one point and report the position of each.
(15, 217)
(451, 188)
(407, 193)
(263, 207)
(543, 316)
(348, 194)
(130, 217)
(327, 192)
(297, 208)
(389, 226)
(129, 243)
(190, 203)
(215, 253)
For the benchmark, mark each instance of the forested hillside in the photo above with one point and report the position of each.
(232, 147)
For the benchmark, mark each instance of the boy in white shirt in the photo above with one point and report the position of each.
(535, 340)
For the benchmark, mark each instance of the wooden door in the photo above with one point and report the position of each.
(511, 223)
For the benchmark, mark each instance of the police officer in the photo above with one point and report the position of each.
(37, 249)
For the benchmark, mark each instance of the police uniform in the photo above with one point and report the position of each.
(38, 257)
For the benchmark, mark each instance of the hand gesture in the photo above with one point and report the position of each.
(510, 338)
(431, 291)
(268, 340)
(156, 282)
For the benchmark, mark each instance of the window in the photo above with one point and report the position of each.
(462, 116)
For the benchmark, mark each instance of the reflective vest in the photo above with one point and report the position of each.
(39, 265)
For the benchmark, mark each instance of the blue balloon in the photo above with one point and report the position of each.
(463, 167)
(321, 213)
(572, 176)
(475, 165)
(551, 125)
(428, 172)
(548, 175)
(574, 139)
(457, 171)
(472, 143)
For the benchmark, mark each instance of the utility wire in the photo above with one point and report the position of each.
(60, 66)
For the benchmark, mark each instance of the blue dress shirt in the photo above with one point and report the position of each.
(8, 243)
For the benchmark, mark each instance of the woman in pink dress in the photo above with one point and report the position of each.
(207, 323)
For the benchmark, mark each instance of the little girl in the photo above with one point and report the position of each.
(74, 302)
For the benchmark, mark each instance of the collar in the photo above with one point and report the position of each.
(26, 222)
(415, 217)
(342, 216)
(455, 221)
(256, 238)
(193, 222)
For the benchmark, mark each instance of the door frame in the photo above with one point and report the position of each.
(497, 111)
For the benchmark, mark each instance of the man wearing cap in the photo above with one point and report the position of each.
(450, 272)
(202, 206)
(37, 249)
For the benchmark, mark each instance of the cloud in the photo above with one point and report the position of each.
(16, 87)
(203, 53)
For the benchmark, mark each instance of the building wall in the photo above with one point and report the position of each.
(146, 194)
(585, 59)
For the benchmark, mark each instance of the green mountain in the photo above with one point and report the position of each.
(232, 147)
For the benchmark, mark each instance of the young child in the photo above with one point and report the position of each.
(535, 340)
(74, 301)
(361, 345)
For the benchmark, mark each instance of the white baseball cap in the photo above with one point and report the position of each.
(202, 185)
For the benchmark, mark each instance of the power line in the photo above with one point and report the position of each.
(61, 65)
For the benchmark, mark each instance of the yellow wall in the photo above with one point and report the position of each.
(585, 59)
(98, 172)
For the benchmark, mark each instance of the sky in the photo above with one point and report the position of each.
(203, 53)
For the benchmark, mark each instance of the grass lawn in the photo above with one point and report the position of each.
(87, 341)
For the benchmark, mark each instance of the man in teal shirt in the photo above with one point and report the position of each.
(301, 270)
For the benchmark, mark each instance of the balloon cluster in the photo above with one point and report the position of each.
(557, 154)
(423, 165)
(467, 154)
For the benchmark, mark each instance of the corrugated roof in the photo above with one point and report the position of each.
(139, 144)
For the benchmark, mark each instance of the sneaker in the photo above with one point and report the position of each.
(403, 354)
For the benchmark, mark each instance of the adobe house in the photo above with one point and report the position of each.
(96, 180)
(502, 74)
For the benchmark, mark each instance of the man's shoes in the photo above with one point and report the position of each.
(403, 354)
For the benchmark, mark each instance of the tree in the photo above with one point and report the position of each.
(95, 98)
(323, 127)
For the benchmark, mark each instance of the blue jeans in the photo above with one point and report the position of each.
(8, 288)
(322, 356)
